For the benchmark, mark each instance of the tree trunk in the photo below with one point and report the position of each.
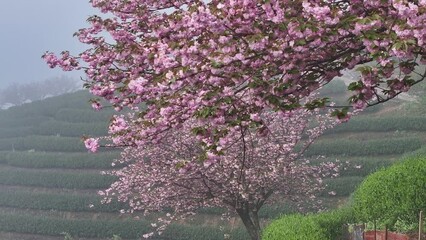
(251, 222)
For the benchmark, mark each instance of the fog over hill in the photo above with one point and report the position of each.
(17, 94)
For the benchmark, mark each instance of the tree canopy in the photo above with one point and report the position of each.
(222, 61)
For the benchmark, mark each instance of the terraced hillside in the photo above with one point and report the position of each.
(48, 181)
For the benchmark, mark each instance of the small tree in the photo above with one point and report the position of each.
(392, 194)
(253, 167)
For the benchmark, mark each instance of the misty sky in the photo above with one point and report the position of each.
(29, 28)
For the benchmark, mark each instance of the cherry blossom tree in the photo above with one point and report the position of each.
(252, 168)
(223, 72)
(225, 60)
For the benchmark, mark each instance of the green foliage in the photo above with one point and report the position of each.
(332, 222)
(56, 201)
(68, 180)
(43, 143)
(322, 226)
(395, 193)
(342, 186)
(58, 160)
(375, 147)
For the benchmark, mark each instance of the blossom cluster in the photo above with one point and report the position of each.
(223, 61)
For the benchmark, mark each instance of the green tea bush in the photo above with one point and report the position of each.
(48, 107)
(67, 129)
(75, 227)
(15, 132)
(365, 166)
(375, 147)
(392, 194)
(68, 180)
(126, 229)
(383, 124)
(266, 212)
(359, 166)
(11, 122)
(341, 186)
(56, 201)
(74, 115)
(43, 143)
(100, 160)
(322, 226)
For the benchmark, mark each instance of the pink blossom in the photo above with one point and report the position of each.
(92, 144)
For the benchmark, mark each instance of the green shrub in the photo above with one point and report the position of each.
(294, 227)
(394, 193)
(323, 226)
(332, 222)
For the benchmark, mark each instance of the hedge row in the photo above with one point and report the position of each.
(341, 186)
(127, 229)
(66, 180)
(56, 201)
(8, 122)
(43, 143)
(58, 160)
(375, 147)
(79, 228)
(388, 124)
(11, 132)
